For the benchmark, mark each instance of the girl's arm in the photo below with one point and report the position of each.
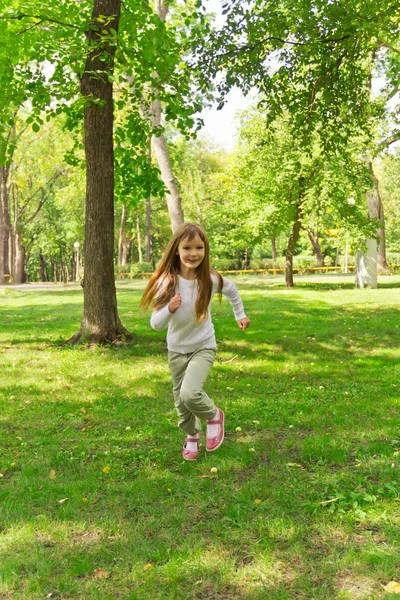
(230, 291)
(159, 318)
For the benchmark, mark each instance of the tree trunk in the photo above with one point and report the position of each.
(2, 240)
(139, 238)
(174, 201)
(273, 248)
(314, 239)
(148, 230)
(5, 223)
(122, 240)
(292, 243)
(19, 275)
(375, 211)
(100, 322)
(42, 268)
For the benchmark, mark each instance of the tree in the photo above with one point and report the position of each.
(100, 320)
(44, 32)
(159, 144)
(31, 184)
(313, 60)
(275, 185)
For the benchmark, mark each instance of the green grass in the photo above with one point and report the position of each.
(305, 503)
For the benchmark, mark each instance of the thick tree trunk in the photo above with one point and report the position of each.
(100, 322)
(273, 248)
(375, 211)
(174, 201)
(314, 239)
(292, 244)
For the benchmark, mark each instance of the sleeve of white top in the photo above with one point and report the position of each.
(230, 291)
(159, 318)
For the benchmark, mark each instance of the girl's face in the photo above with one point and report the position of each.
(191, 253)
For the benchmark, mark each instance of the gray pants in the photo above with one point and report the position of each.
(189, 373)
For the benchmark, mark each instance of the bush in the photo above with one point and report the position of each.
(124, 269)
(393, 258)
(224, 264)
(143, 267)
(328, 261)
(304, 262)
(259, 263)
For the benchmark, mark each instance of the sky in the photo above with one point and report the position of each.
(220, 124)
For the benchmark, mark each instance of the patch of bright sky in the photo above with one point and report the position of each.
(220, 125)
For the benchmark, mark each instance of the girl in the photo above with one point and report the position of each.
(180, 291)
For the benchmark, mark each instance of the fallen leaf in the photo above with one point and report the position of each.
(257, 501)
(101, 574)
(106, 469)
(148, 567)
(393, 587)
(296, 465)
(83, 410)
(62, 501)
(52, 474)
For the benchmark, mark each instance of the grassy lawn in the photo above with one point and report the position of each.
(97, 503)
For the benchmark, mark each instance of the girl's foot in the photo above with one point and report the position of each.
(191, 447)
(215, 431)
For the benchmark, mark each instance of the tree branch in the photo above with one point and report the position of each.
(41, 19)
(388, 46)
(383, 144)
(42, 201)
(41, 188)
(248, 48)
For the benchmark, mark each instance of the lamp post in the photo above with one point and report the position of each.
(76, 247)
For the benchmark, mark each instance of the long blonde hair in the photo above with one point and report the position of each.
(162, 285)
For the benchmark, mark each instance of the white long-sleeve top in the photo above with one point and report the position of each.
(185, 334)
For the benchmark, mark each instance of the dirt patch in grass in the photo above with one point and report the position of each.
(86, 537)
(357, 587)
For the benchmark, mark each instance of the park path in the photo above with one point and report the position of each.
(38, 286)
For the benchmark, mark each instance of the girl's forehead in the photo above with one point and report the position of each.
(195, 239)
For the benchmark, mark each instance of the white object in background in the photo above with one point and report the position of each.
(366, 266)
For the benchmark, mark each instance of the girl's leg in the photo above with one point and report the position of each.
(188, 422)
(192, 394)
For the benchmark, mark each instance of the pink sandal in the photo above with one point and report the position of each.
(212, 443)
(191, 454)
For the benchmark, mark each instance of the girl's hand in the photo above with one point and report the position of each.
(243, 323)
(174, 303)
